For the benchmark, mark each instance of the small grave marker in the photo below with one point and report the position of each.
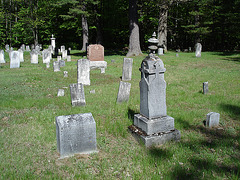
(205, 87)
(60, 92)
(56, 66)
(127, 69)
(123, 92)
(77, 94)
(212, 119)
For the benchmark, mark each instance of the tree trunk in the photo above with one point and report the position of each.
(85, 32)
(134, 42)
(162, 26)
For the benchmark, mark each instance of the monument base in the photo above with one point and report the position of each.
(155, 139)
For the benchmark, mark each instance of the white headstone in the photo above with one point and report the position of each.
(46, 56)
(2, 59)
(65, 74)
(77, 94)
(198, 47)
(53, 42)
(7, 47)
(64, 54)
(56, 66)
(212, 119)
(68, 58)
(34, 56)
(62, 48)
(14, 60)
(59, 58)
(83, 71)
(160, 51)
(27, 48)
(21, 55)
(60, 92)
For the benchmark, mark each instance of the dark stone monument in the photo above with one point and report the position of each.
(153, 126)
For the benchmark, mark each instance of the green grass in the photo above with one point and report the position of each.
(29, 105)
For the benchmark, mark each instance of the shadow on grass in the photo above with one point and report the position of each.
(131, 114)
(79, 54)
(236, 59)
(232, 109)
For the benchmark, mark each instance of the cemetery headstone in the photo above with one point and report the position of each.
(28, 48)
(77, 94)
(48, 65)
(60, 92)
(127, 69)
(62, 49)
(46, 56)
(34, 56)
(62, 63)
(76, 134)
(83, 71)
(160, 51)
(14, 60)
(59, 58)
(56, 66)
(7, 47)
(53, 43)
(95, 52)
(123, 92)
(92, 91)
(21, 55)
(32, 46)
(38, 49)
(68, 58)
(153, 126)
(2, 58)
(212, 119)
(64, 54)
(198, 47)
(205, 87)
(65, 74)
(23, 47)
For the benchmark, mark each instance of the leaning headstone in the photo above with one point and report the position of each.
(56, 66)
(83, 71)
(153, 126)
(198, 48)
(21, 55)
(76, 134)
(65, 74)
(127, 69)
(60, 92)
(77, 94)
(68, 58)
(64, 54)
(212, 119)
(2, 59)
(95, 52)
(62, 63)
(14, 60)
(46, 56)
(205, 87)
(34, 57)
(123, 92)
(53, 42)
(160, 51)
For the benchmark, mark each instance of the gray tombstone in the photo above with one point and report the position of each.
(62, 63)
(34, 56)
(127, 69)
(205, 87)
(65, 74)
(64, 54)
(83, 71)
(23, 47)
(21, 55)
(212, 119)
(160, 51)
(123, 92)
(38, 49)
(7, 47)
(27, 48)
(14, 60)
(53, 42)
(76, 134)
(56, 66)
(77, 94)
(198, 48)
(60, 92)
(68, 58)
(2, 58)
(46, 56)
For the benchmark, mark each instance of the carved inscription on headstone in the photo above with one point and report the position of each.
(95, 52)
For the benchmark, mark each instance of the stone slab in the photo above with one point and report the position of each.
(61, 63)
(77, 94)
(76, 134)
(98, 64)
(60, 92)
(14, 59)
(95, 52)
(205, 87)
(123, 92)
(212, 119)
(2, 59)
(127, 69)
(83, 71)
(155, 140)
(56, 66)
(153, 126)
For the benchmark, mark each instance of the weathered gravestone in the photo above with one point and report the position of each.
(102, 65)
(59, 58)
(127, 69)
(160, 51)
(34, 56)
(76, 134)
(23, 47)
(48, 65)
(62, 48)
(60, 92)
(198, 48)
(212, 119)
(65, 74)
(46, 56)
(28, 48)
(205, 87)
(153, 126)
(2, 58)
(83, 71)
(37, 48)
(53, 42)
(21, 55)
(56, 66)
(62, 63)
(68, 58)
(14, 60)
(7, 47)
(95, 52)
(64, 54)
(123, 92)
(77, 94)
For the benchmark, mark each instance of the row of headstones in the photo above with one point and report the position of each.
(198, 50)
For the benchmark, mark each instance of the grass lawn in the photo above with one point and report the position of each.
(29, 105)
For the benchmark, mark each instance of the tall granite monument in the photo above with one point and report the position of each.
(153, 126)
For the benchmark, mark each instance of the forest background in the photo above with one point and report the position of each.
(180, 23)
